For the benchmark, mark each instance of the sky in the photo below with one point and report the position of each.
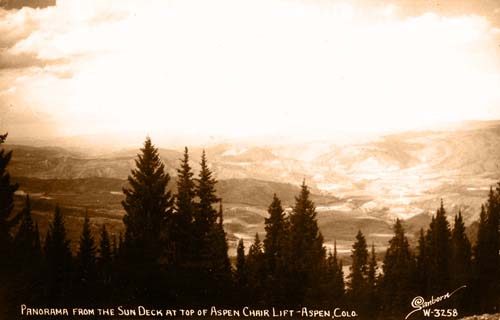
(234, 68)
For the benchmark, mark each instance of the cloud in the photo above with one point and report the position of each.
(19, 4)
(26, 60)
(250, 67)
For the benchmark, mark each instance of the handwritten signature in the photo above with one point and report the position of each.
(419, 303)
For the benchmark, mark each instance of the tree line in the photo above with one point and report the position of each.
(174, 253)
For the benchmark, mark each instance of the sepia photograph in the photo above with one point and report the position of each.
(250, 159)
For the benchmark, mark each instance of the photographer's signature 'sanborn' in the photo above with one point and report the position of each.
(419, 303)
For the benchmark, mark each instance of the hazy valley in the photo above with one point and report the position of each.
(363, 185)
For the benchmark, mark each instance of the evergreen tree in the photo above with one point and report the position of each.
(256, 271)
(7, 220)
(147, 248)
(461, 255)
(205, 214)
(373, 298)
(184, 214)
(86, 253)
(439, 246)
(334, 278)
(486, 255)
(422, 264)
(241, 269)
(209, 240)
(218, 259)
(275, 241)
(86, 263)
(398, 280)
(23, 284)
(306, 254)
(27, 241)
(104, 260)
(58, 256)
(148, 206)
(275, 246)
(358, 284)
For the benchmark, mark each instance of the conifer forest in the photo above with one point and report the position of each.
(174, 253)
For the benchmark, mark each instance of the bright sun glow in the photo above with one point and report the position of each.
(246, 68)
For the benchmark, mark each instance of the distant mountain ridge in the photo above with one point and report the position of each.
(359, 185)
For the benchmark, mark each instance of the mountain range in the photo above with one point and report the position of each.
(359, 185)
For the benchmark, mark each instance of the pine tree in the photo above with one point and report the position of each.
(86, 254)
(241, 269)
(148, 205)
(422, 265)
(256, 271)
(439, 246)
(7, 220)
(275, 246)
(209, 239)
(306, 254)
(372, 270)
(398, 269)
(104, 260)
(486, 255)
(359, 269)
(372, 286)
(86, 264)
(58, 256)
(147, 248)
(218, 259)
(275, 241)
(23, 284)
(26, 241)
(205, 214)
(334, 278)
(461, 255)
(184, 214)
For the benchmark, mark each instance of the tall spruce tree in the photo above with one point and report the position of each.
(86, 264)
(275, 240)
(241, 268)
(27, 241)
(461, 259)
(486, 256)
(358, 279)
(275, 246)
(59, 259)
(439, 250)
(206, 215)
(220, 266)
(334, 278)
(184, 214)
(306, 254)
(86, 258)
(23, 284)
(147, 249)
(372, 285)
(148, 207)
(256, 271)
(106, 255)
(422, 264)
(7, 219)
(398, 269)
(209, 238)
